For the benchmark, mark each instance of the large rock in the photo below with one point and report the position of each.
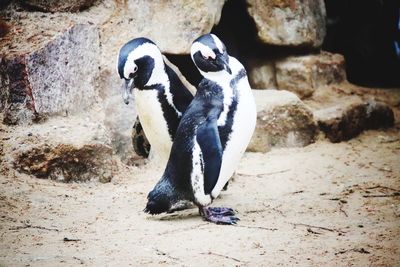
(304, 74)
(62, 149)
(261, 74)
(289, 22)
(283, 120)
(349, 117)
(52, 76)
(172, 25)
(58, 5)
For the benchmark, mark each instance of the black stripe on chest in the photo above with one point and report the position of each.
(226, 130)
(171, 117)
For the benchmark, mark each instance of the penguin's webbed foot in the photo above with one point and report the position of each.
(219, 215)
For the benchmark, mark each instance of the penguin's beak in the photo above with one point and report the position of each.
(127, 90)
(224, 62)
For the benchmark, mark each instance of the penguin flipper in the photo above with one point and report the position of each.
(211, 148)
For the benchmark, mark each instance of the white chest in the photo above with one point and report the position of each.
(153, 122)
(243, 126)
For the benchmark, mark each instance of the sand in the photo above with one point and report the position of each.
(321, 205)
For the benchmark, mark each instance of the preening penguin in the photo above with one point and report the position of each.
(238, 118)
(160, 96)
(212, 135)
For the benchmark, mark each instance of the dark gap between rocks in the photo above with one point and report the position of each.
(365, 32)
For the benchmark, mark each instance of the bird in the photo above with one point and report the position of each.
(211, 137)
(160, 96)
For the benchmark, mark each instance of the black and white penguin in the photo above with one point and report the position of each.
(160, 96)
(238, 119)
(212, 135)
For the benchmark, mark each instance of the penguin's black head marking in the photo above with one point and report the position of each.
(209, 54)
(127, 69)
(136, 61)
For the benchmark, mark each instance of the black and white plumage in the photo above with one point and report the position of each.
(160, 96)
(212, 135)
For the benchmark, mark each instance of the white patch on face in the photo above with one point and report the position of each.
(147, 49)
(197, 176)
(218, 43)
(204, 50)
(130, 66)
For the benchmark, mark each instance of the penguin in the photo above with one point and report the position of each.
(211, 137)
(238, 120)
(160, 96)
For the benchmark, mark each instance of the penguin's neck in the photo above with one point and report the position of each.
(158, 75)
(222, 78)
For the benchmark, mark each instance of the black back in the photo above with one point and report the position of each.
(176, 181)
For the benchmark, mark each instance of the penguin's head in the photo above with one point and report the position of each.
(209, 54)
(137, 60)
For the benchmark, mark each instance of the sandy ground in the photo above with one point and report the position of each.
(321, 205)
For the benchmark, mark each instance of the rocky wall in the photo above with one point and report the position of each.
(58, 62)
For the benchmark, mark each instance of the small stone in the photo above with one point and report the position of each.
(304, 74)
(62, 157)
(289, 22)
(350, 117)
(283, 120)
(379, 115)
(261, 74)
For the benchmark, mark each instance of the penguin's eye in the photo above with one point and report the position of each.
(135, 69)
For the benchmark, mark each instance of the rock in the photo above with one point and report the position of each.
(63, 149)
(173, 26)
(261, 74)
(53, 77)
(379, 115)
(57, 5)
(348, 119)
(283, 120)
(304, 74)
(289, 22)
(119, 117)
